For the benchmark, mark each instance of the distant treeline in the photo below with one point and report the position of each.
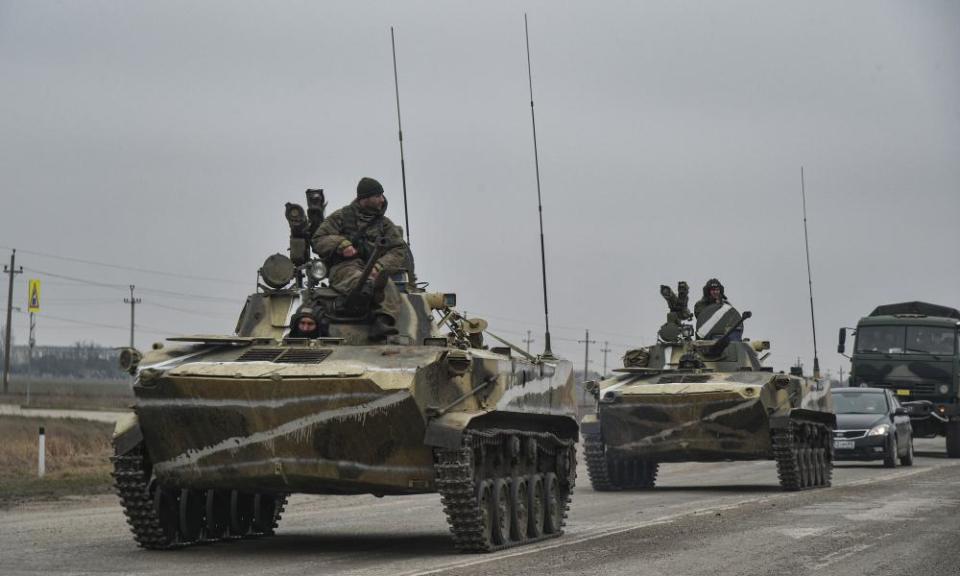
(82, 360)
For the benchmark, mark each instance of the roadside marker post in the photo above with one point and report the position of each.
(41, 454)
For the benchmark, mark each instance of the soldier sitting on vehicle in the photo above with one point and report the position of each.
(346, 240)
(714, 313)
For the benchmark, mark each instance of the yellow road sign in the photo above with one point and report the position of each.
(33, 301)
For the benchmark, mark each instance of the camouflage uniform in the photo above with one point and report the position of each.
(353, 226)
(714, 318)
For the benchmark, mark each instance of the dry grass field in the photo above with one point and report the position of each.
(77, 458)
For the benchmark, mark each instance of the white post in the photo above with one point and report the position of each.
(41, 454)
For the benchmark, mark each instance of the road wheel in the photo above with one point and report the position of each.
(520, 506)
(907, 459)
(264, 513)
(485, 501)
(501, 511)
(535, 510)
(217, 513)
(817, 461)
(167, 506)
(803, 457)
(551, 500)
(953, 439)
(192, 504)
(890, 458)
(241, 513)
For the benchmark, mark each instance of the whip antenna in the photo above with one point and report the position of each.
(536, 163)
(403, 167)
(806, 242)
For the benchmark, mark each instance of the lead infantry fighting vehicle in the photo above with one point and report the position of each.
(225, 427)
(689, 400)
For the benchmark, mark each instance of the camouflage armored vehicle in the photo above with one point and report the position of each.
(690, 400)
(225, 427)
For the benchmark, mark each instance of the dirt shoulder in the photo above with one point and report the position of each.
(77, 459)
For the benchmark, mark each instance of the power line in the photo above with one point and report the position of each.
(188, 311)
(131, 268)
(170, 293)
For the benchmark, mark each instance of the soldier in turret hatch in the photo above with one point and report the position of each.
(345, 241)
(304, 324)
(714, 313)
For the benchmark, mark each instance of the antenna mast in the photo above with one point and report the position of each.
(536, 161)
(403, 167)
(806, 242)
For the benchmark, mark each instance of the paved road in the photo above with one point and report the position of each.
(725, 519)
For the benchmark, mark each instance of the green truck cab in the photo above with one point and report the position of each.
(911, 348)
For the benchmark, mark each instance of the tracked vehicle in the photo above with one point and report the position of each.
(225, 427)
(689, 400)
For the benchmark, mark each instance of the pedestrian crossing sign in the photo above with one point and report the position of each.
(33, 299)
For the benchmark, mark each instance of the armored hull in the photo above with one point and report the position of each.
(685, 405)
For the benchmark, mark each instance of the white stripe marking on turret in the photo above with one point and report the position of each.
(667, 356)
(704, 329)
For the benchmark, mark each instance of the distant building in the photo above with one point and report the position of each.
(82, 360)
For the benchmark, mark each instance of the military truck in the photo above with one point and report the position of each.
(224, 427)
(689, 400)
(911, 348)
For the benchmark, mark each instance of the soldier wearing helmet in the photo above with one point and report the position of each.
(715, 315)
(305, 324)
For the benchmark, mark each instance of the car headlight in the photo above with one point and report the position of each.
(880, 430)
(944, 388)
(317, 270)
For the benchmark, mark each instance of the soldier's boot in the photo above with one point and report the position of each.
(381, 328)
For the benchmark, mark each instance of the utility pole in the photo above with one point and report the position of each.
(133, 306)
(605, 350)
(528, 340)
(586, 352)
(7, 341)
(841, 377)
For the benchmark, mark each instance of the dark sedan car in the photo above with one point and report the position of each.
(871, 425)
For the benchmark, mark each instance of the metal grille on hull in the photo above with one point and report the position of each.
(261, 355)
(285, 355)
(303, 356)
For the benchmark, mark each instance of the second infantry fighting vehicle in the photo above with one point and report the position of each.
(690, 400)
(225, 427)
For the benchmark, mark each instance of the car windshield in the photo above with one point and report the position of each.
(882, 339)
(930, 340)
(859, 403)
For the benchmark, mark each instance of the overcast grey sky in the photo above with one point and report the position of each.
(168, 135)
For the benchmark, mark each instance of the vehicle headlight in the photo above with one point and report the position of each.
(317, 270)
(880, 430)
(944, 388)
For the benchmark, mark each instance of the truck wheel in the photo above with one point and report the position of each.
(953, 439)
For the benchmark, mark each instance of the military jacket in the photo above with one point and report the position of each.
(352, 226)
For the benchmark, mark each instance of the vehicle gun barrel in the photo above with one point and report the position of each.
(722, 342)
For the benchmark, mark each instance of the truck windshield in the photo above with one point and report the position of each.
(881, 339)
(930, 340)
